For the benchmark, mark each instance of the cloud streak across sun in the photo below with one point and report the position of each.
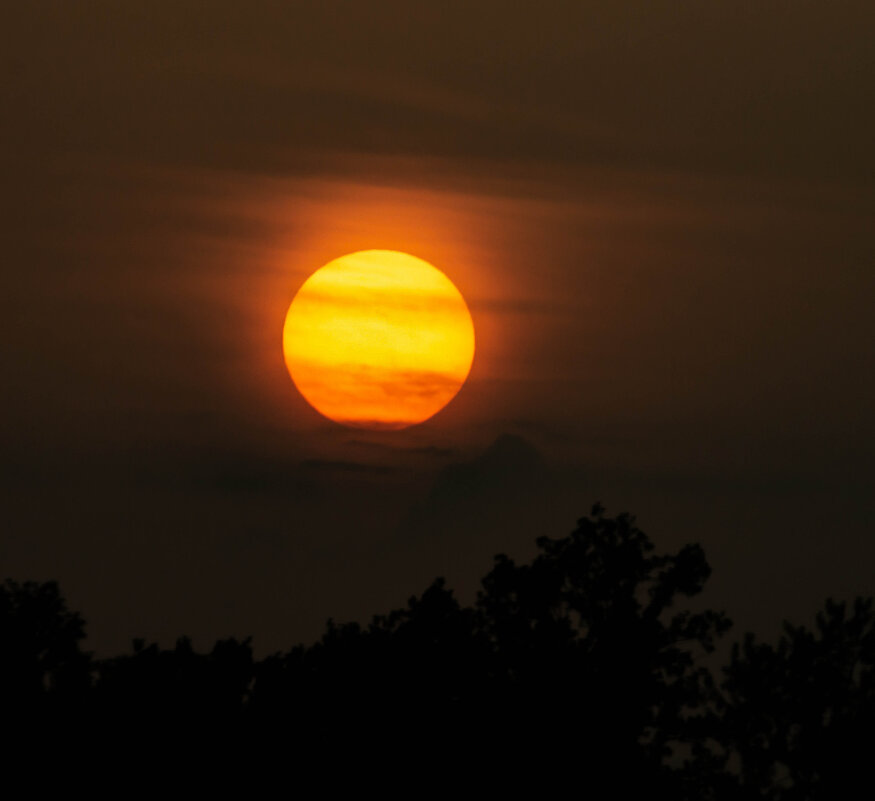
(378, 339)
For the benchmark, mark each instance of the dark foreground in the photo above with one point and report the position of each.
(581, 666)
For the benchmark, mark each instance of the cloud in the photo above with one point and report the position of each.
(503, 479)
(497, 502)
(339, 466)
(626, 83)
(510, 464)
(400, 450)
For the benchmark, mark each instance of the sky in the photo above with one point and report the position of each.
(659, 214)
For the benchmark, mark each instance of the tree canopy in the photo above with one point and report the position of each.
(586, 658)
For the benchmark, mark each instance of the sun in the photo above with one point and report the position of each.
(378, 339)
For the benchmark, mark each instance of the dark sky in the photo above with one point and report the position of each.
(660, 213)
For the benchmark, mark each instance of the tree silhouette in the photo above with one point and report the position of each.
(578, 656)
(43, 671)
(582, 664)
(179, 684)
(587, 650)
(800, 716)
(400, 683)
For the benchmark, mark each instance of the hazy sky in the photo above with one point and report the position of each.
(660, 214)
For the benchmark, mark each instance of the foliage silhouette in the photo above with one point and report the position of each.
(587, 650)
(799, 717)
(582, 661)
(194, 690)
(578, 653)
(43, 670)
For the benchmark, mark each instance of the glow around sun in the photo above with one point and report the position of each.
(378, 339)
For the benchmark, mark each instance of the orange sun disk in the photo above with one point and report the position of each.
(378, 339)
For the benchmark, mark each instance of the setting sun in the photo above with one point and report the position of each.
(378, 339)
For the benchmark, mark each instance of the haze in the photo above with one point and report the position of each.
(660, 216)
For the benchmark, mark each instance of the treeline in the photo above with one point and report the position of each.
(583, 662)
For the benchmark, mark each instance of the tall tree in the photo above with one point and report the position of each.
(43, 669)
(799, 718)
(589, 651)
